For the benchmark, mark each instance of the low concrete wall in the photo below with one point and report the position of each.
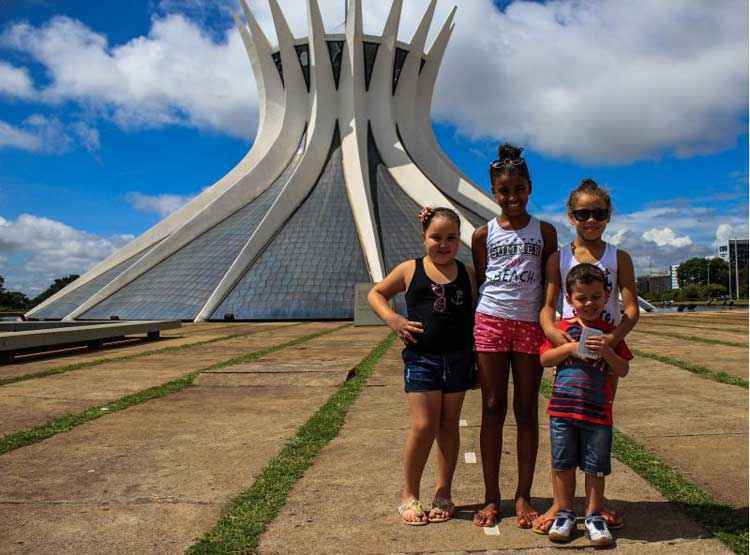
(93, 334)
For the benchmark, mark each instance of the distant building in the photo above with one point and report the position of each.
(673, 274)
(735, 248)
(735, 252)
(655, 284)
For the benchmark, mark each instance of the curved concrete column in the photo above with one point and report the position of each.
(419, 138)
(383, 119)
(323, 103)
(353, 127)
(242, 191)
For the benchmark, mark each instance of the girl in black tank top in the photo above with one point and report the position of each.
(438, 358)
(446, 311)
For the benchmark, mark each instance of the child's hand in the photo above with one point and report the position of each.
(599, 344)
(405, 329)
(572, 348)
(559, 337)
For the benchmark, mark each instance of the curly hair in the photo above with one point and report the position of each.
(509, 162)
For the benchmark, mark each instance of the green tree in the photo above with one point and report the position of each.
(56, 286)
(12, 300)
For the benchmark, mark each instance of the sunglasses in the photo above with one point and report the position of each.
(599, 214)
(497, 164)
(440, 304)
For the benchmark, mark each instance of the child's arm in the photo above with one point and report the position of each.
(473, 281)
(479, 254)
(619, 365)
(551, 293)
(629, 291)
(555, 355)
(395, 282)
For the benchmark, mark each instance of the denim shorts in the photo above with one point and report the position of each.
(447, 372)
(580, 444)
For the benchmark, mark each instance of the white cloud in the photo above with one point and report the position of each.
(659, 236)
(36, 250)
(665, 237)
(175, 75)
(15, 81)
(159, 204)
(38, 133)
(87, 135)
(598, 81)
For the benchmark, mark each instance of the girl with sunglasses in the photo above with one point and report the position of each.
(439, 360)
(589, 211)
(509, 254)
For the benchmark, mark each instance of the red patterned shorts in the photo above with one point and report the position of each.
(501, 335)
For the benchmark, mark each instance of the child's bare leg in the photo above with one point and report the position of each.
(527, 375)
(563, 486)
(424, 413)
(448, 440)
(493, 377)
(594, 493)
(555, 507)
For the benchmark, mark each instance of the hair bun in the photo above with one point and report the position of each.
(508, 151)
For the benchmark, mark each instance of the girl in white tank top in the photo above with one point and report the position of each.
(514, 276)
(510, 253)
(608, 263)
(589, 211)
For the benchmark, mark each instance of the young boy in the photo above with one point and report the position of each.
(580, 408)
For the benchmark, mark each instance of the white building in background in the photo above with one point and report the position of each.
(673, 274)
(327, 197)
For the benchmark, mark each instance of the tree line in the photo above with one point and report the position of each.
(15, 300)
(702, 279)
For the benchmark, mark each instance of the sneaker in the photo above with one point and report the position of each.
(597, 531)
(563, 526)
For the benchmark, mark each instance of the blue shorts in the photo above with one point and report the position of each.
(580, 444)
(447, 372)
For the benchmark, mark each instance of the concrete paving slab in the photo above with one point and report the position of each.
(36, 363)
(718, 463)
(102, 527)
(33, 402)
(703, 332)
(347, 501)
(679, 415)
(719, 358)
(155, 477)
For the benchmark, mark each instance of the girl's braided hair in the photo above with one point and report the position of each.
(589, 187)
(427, 214)
(509, 162)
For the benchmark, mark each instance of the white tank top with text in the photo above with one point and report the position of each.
(514, 278)
(608, 263)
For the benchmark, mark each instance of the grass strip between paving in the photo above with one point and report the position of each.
(702, 371)
(728, 524)
(98, 361)
(67, 422)
(239, 530)
(695, 338)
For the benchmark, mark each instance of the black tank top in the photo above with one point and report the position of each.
(446, 311)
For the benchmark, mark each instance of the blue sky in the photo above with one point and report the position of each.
(112, 114)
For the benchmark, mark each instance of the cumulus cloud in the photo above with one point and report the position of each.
(158, 204)
(35, 250)
(15, 82)
(176, 74)
(657, 237)
(666, 237)
(38, 133)
(597, 81)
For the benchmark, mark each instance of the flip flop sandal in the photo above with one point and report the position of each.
(412, 505)
(613, 520)
(542, 524)
(524, 522)
(443, 505)
(494, 513)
